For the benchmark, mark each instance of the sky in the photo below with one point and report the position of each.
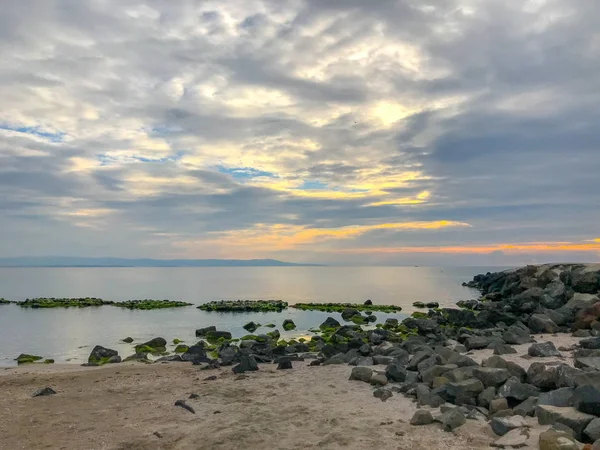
(441, 132)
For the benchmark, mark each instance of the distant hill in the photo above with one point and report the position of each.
(72, 261)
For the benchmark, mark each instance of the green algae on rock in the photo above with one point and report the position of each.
(244, 305)
(156, 345)
(340, 307)
(25, 358)
(45, 302)
(4, 301)
(150, 304)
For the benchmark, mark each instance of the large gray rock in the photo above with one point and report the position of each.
(587, 363)
(560, 397)
(554, 295)
(491, 377)
(247, 364)
(485, 398)
(418, 358)
(421, 417)
(452, 419)
(498, 404)
(516, 335)
(543, 350)
(540, 323)
(436, 371)
(428, 363)
(502, 425)
(361, 374)
(514, 389)
(478, 342)
(587, 399)
(576, 420)
(513, 439)
(592, 343)
(541, 376)
(503, 349)
(101, 355)
(586, 281)
(565, 375)
(396, 372)
(527, 407)
(585, 378)
(465, 389)
(593, 430)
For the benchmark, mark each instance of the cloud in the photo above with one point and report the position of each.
(311, 131)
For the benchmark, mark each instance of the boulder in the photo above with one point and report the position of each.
(587, 363)
(421, 417)
(543, 350)
(430, 399)
(593, 343)
(516, 335)
(587, 316)
(288, 325)
(576, 420)
(527, 407)
(128, 340)
(382, 360)
(101, 355)
(195, 353)
(514, 389)
(566, 375)
(396, 372)
(251, 327)
(592, 431)
(485, 398)
(201, 332)
(379, 379)
(348, 313)
(503, 349)
(247, 363)
(586, 281)
(490, 376)
(426, 364)
(502, 425)
(557, 440)
(436, 371)
(542, 377)
(513, 439)
(361, 374)
(452, 419)
(540, 323)
(478, 342)
(330, 322)
(465, 389)
(284, 364)
(587, 399)
(560, 397)
(382, 394)
(498, 404)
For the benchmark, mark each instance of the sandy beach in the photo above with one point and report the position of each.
(131, 406)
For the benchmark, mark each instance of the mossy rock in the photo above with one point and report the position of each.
(155, 346)
(419, 315)
(270, 325)
(275, 334)
(251, 327)
(340, 307)
(51, 302)
(150, 304)
(288, 325)
(128, 340)
(25, 358)
(419, 305)
(249, 337)
(358, 319)
(48, 361)
(244, 306)
(4, 302)
(177, 341)
(181, 348)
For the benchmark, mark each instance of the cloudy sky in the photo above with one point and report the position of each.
(330, 131)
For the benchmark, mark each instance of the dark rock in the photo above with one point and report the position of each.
(490, 376)
(478, 342)
(421, 417)
(560, 397)
(169, 358)
(365, 350)
(516, 335)
(515, 438)
(316, 362)
(432, 400)
(42, 392)
(288, 325)
(432, 305)
(542, 377)
(335, 359)
(142, 357)
(195, 353)
(514, 389)
(114, 359)
(330, 322)
(348, 313)
(382, 360)
(379, 379)
(527, 407)
(586, 281)
(128, 340)
(543, 350)
(201, 332)
(502, 425)
(592, 431)
(498, 404)
(101, 355)
(429, 363)
(587, 363)
(418, 358)
(540, 323)
(485, 398)
(587, 399)
(368, 302)
(576, 420)
(247, 363)
(452, 419)
(565, 376)
(251, 327)
(284, 365)
(185, 406)
(593, 343)
(583, 378)
(361, 374)
(436, 371)
(468, 388)
(382, 394)
(503, 349)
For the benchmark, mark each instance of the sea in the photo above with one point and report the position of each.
(68, 335)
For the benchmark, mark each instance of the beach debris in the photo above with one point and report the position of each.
(185, 406)
(193, 396)
(158, 434)
(42, 392)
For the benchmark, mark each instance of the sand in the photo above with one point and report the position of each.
(131, 406)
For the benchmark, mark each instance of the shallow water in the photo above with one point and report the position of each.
(69, 334)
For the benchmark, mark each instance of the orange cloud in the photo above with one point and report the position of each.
(536, 247)
(282, 237)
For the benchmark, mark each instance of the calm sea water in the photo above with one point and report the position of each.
(67, 335)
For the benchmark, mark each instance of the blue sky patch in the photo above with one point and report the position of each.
(34, 131)
(106, 160)
(245, 173)
(308, 184)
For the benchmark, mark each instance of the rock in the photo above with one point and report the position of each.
(514, 389)
(382, 394)
(475, 414)
(198, 353)
(587, 363)
(527, 407)
(418, 358)
(491, 377)
(478, 342)
(382, 360)
(348, 313)
(587, 399)
(557, 440)
(330, 322)
(114, 359)
(364, 361)
(361, 374)
(578, 421)
(593, 430)
(141, 357)
(565, 376)
(101, 355)
(335, 359)
(251, 327)
(543, 350)
(485, 398)
(586, 281)
(428, 363)
(560, 397)
(582, 333)
(284, 365)
(156, 345)
(185, 406)
(452, 419)
(288, 325)
(502, 425)
(42, 392)
(540, 323)
(498, 404)
(365, 350)
(432, 400)
(316, 362)
(379, 380)
(128, 340)
(438, 382)
(395, 372)
(469, 388)
(421, 417)
(247, 363)
(593, 343)
(542, 377)
(514, 439)
(201, 332)
(516, 335)
(503, 349)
